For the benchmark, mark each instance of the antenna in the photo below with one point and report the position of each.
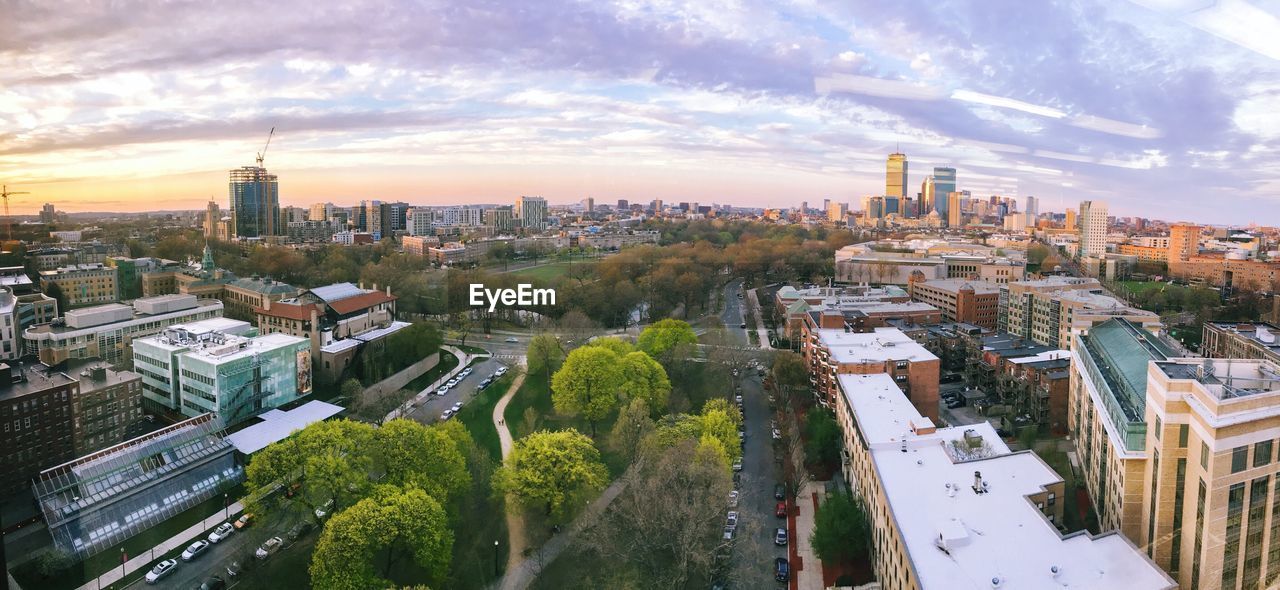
(263, 154)
(8, 221)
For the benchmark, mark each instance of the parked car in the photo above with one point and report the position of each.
(737, 465)
(299, 530)
(728, 533)
(467, 371)
(500, 372)
(446, 414)
(731, 519)
(324, 509)
(738, 398)
(781, 569)
(779, 492)
(955, 404)
(161, 570)
(213, 583)
(223, 531)
(512, 339)
(244, 521)
(194, 550)
(234, 569)
(777, 435)
(733, 499)
(780, 537)
(485, 383)
(456, 407)
(269, 547)
(443, 390)
(780, 510)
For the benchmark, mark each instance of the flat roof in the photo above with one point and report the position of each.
(277, 425)
(956, 537)
(883, 344)
(202, 305)
(979, 286)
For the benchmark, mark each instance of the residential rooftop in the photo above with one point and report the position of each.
(884, 344)
(958, 538)
(955, 285)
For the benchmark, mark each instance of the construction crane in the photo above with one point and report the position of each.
(263, 154)
(8, 221)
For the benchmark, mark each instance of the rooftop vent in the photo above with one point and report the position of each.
(979, 485)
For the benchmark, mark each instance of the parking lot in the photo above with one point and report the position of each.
(433, 407)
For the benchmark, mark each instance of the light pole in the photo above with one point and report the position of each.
(495, 559)
(225, 507)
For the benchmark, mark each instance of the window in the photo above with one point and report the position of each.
(1262, 453)
(1053, 498)
(1159, 425)
(1204, 457)
(1182, 436)
(1239, 459)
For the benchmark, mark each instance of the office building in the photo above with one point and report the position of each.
(960, 300)
(255, 203)
(944, 183)
(214, 366)
(97, 501)
(928, 197)
(500, 218)
(532, 212)
(1184, 242)
(1032, 211)
(1093, 228)
(1050, 311)
(895, 184)
(311, 232)
(212, 218)
(459, 216)
(1071, 221)
(48, 214)
(829, 353)
(35, 408)
(83, 284)
(320, 212)
(955, 215)
(955, 508)
(105, 331)
(836, 212)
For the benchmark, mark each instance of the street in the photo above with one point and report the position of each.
(238, 547)
(432, 406)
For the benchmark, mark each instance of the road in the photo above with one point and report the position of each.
(432, 406)
(238, 547)
(754, 551)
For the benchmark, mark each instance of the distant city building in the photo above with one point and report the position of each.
(895, 184)
(1071, 221)
(311, 232)
(836, 212)
(320, 212)
(944, 183)
(105, 331)
(1093, 228)
(955, 215)
(352, 238)
(500, 218)
(83, 284)
(48, 214)
(928, 196)
(418, 245)
(218, 366)
(1052, 310)
(1032, 211)
(532, 212)
(255, 203)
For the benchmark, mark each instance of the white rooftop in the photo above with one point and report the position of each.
(1048, 355)
(277, 425)
(884, 344)
(959, 539)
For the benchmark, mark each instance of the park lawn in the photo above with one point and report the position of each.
(477, 416)
(549, 273)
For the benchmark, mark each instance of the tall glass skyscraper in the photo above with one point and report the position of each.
(895, 183)
(944, 183)
(255, 203)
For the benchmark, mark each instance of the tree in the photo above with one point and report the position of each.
(374, 406)
(632, 427)
(551, 470)
(361, 546)
(824, 437)
(460, 326)
(352, 390)
(588, 384)
(544, 356)
(659, 339)
(789, 373)
(425, 457)
(54, 291)
(645, 379)
(329, 461)
(577, 327)
(842, 531)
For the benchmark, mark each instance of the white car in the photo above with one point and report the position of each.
(442, 390)
(733, 499)
(451, 382)
(161, 570)
(467, 371)
(737, 465)
(732, 519)
(324, 509)
(456, 407)
(738, 398)
(777, 435)
(446, 414)
(194, 550)
(500, 372)
(271, 546)
(223, 531)
(512, 340)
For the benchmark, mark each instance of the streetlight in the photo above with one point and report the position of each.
(225, 507)
(495, 559)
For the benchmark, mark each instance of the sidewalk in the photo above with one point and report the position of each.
(463, 360)
(515, 521)
(177, 541)
(762, 333)
(808, 574)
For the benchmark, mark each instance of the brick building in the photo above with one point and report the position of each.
(960, 300)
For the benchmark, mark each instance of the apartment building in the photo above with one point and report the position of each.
(105, 331)
(831, 353)
(955, 508)
(1050, 310)
(960, 300)
(108, 407)
(418, 245)
(1107, 418)
(36, 411)
(1241, 340)
(83, 284)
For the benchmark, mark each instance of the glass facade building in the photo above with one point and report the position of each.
(944, 183)
(255, 203)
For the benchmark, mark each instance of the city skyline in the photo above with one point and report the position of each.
(1154, 109)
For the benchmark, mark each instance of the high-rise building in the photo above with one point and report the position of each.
(836, 212)
(944, 183)
(623, 205)
(532, 212)
(48, 214)
(928, 194)
(1184, 241)
(500, 218)
(588, 205)
(1093, 228)
(895, 183)
(291, 214)
(212, 217)
(1033, 210)
(953, 209)
(255, 203)
(37, 402)
(320, 212)
(1071, 221)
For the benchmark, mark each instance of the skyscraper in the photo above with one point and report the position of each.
(944, 183)
(532, 212)
(1071, 219)
(212, 216)
(48, 214)
(953, 209)
(895, 184)
(928, 193)
(1184, 241)
(1093, 228)
(255, 202)
(1033, 210)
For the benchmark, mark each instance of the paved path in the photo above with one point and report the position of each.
(177, 541)
(809, 575)
(406, 408)
(762, 333)
(515, 520)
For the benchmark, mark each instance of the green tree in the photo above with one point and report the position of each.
(361, 546)
(632, 427)
(823, 432)
(54, 291)
(422, 456)
(551, 470)
(662, 337)
(617, 345)
(544, 356)
(329, 461)
(588, 384)
(351, 389)
(645, 379)
(842, 531)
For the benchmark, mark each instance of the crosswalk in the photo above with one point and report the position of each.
(508, 357)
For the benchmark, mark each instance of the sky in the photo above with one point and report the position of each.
(1162, 108)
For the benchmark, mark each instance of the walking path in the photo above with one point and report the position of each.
(143, 560)
(762, 333)
(515, 521)
(808, 574)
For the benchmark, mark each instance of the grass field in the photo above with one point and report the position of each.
(549, 273)
(477, 416)
(1141, 287)
(531, 410)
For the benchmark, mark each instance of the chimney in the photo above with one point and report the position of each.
(978, 485)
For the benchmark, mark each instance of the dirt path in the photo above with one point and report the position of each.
(515, 522)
